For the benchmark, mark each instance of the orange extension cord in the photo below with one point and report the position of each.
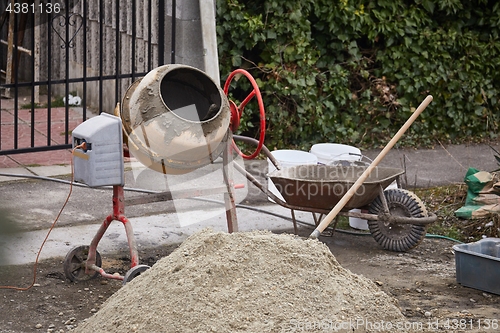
(35, 266)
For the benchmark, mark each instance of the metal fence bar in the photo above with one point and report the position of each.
(66, 83)
(134, 33)
(118, 55)
(48, 83)
(174, 14)
(161, 31)
(1, 119)
(84, 60)
(150, 36)
(32, 81)
(75, 80)
(101, 51)
(16, 81)
(63, 57)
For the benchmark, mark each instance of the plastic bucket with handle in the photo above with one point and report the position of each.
(330, 153)
(288, 158)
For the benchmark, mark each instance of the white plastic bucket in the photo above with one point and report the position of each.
(328, 153)
(288, 158)
(356, 222)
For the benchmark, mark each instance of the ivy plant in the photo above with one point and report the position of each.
(353, 71)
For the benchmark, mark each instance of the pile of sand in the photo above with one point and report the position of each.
(247, 282)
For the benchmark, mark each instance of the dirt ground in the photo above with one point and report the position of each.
(422, 280)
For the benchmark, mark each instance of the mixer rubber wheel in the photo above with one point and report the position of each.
(74, 264)
(393, 236)
(134, 272)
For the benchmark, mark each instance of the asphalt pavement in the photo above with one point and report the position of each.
(32, 204)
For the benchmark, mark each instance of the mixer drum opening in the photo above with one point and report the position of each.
(175, 119)
(183, 87)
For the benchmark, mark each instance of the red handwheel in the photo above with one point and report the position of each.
(237, 111)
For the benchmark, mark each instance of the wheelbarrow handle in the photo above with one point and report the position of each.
(348, 195)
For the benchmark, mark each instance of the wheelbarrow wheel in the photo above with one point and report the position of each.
(74, 264)
(393, 236)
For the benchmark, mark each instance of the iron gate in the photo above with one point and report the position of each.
(91, 49)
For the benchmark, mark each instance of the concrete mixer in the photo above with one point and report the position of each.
(174, 120)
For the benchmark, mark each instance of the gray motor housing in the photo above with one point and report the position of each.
(101, 163)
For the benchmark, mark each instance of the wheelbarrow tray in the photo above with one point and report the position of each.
(322, 186)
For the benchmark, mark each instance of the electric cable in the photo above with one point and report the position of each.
(35, 265)
(131, 189)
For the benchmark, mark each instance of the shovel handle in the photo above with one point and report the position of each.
(343, 201)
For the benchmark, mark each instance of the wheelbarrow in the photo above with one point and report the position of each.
(397, 218)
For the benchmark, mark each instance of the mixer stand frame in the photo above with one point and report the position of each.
(83, 262)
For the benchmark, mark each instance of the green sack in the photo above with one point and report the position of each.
(483, 194)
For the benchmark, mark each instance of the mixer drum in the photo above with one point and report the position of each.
(175, 119)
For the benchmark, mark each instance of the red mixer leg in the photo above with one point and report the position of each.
(232, 220)
(134, 255)
(91, 259)
(118, 214)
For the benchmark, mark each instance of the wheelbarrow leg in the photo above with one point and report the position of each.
(330, 232)
(318, 219)
(383, 199)
(334, 225)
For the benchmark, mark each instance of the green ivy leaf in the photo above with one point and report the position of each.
(350, 71)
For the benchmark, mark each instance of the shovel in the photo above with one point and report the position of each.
(338, 207)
